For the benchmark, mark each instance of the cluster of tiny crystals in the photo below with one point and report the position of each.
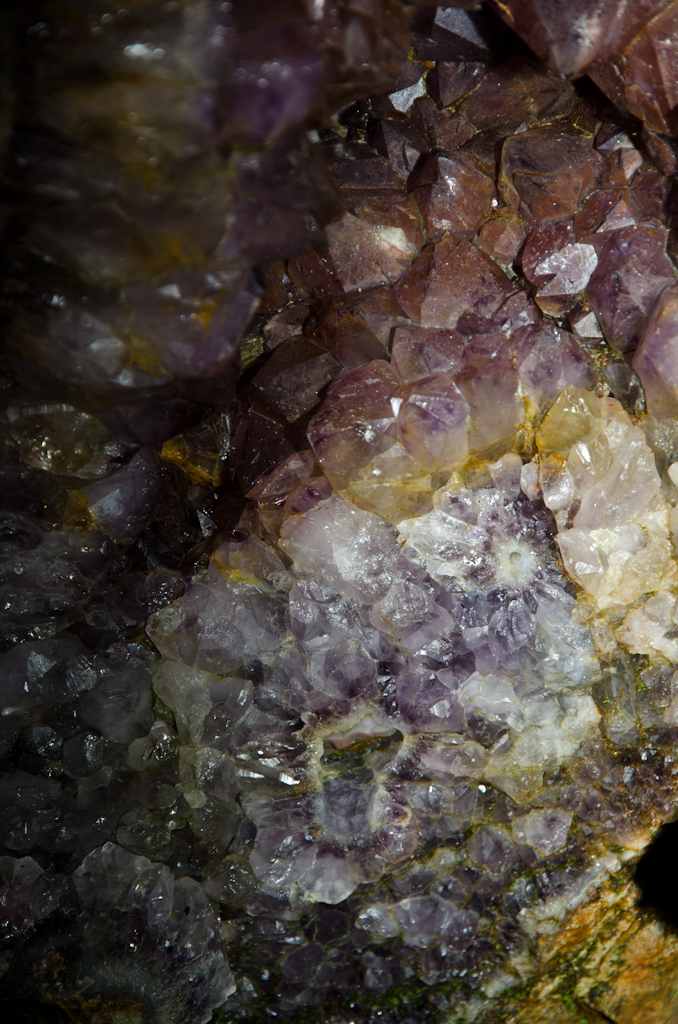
(332, 688)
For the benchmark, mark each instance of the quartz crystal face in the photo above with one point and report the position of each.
(339, 512)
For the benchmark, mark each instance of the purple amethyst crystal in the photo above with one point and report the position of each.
(632, 272)
(655, 359)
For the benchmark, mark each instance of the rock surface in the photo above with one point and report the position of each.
(339, 628)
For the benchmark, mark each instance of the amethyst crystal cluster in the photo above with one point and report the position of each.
(338, 590)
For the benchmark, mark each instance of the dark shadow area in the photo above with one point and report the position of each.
(657, 875)
(29, 1011)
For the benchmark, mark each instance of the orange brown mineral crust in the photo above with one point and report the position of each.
(609, 962)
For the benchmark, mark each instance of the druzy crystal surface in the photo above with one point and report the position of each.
(339, 494)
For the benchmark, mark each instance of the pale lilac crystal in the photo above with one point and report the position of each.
(549, 359)
(420, 920)
(565, 274)
(306, 493)
(419, 351)
(545, 831)
(281, 857)
(491, 847)
(196, 632)
(452, 757)
(444, 714)
(433, 422)
(487, 378)
(352, 549)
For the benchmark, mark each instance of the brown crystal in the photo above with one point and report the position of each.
(293, 377)
(643, 77)
(519, 91)
(502, 236)
(375, 241)
(458, 201)
(531, 172)
(446, 280)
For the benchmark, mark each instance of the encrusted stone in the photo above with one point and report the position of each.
(339, 517)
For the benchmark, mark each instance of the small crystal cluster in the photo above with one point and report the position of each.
(338, 686)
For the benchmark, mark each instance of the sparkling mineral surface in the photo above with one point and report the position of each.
(338, 511)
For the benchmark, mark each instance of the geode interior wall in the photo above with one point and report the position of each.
(339, 490)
